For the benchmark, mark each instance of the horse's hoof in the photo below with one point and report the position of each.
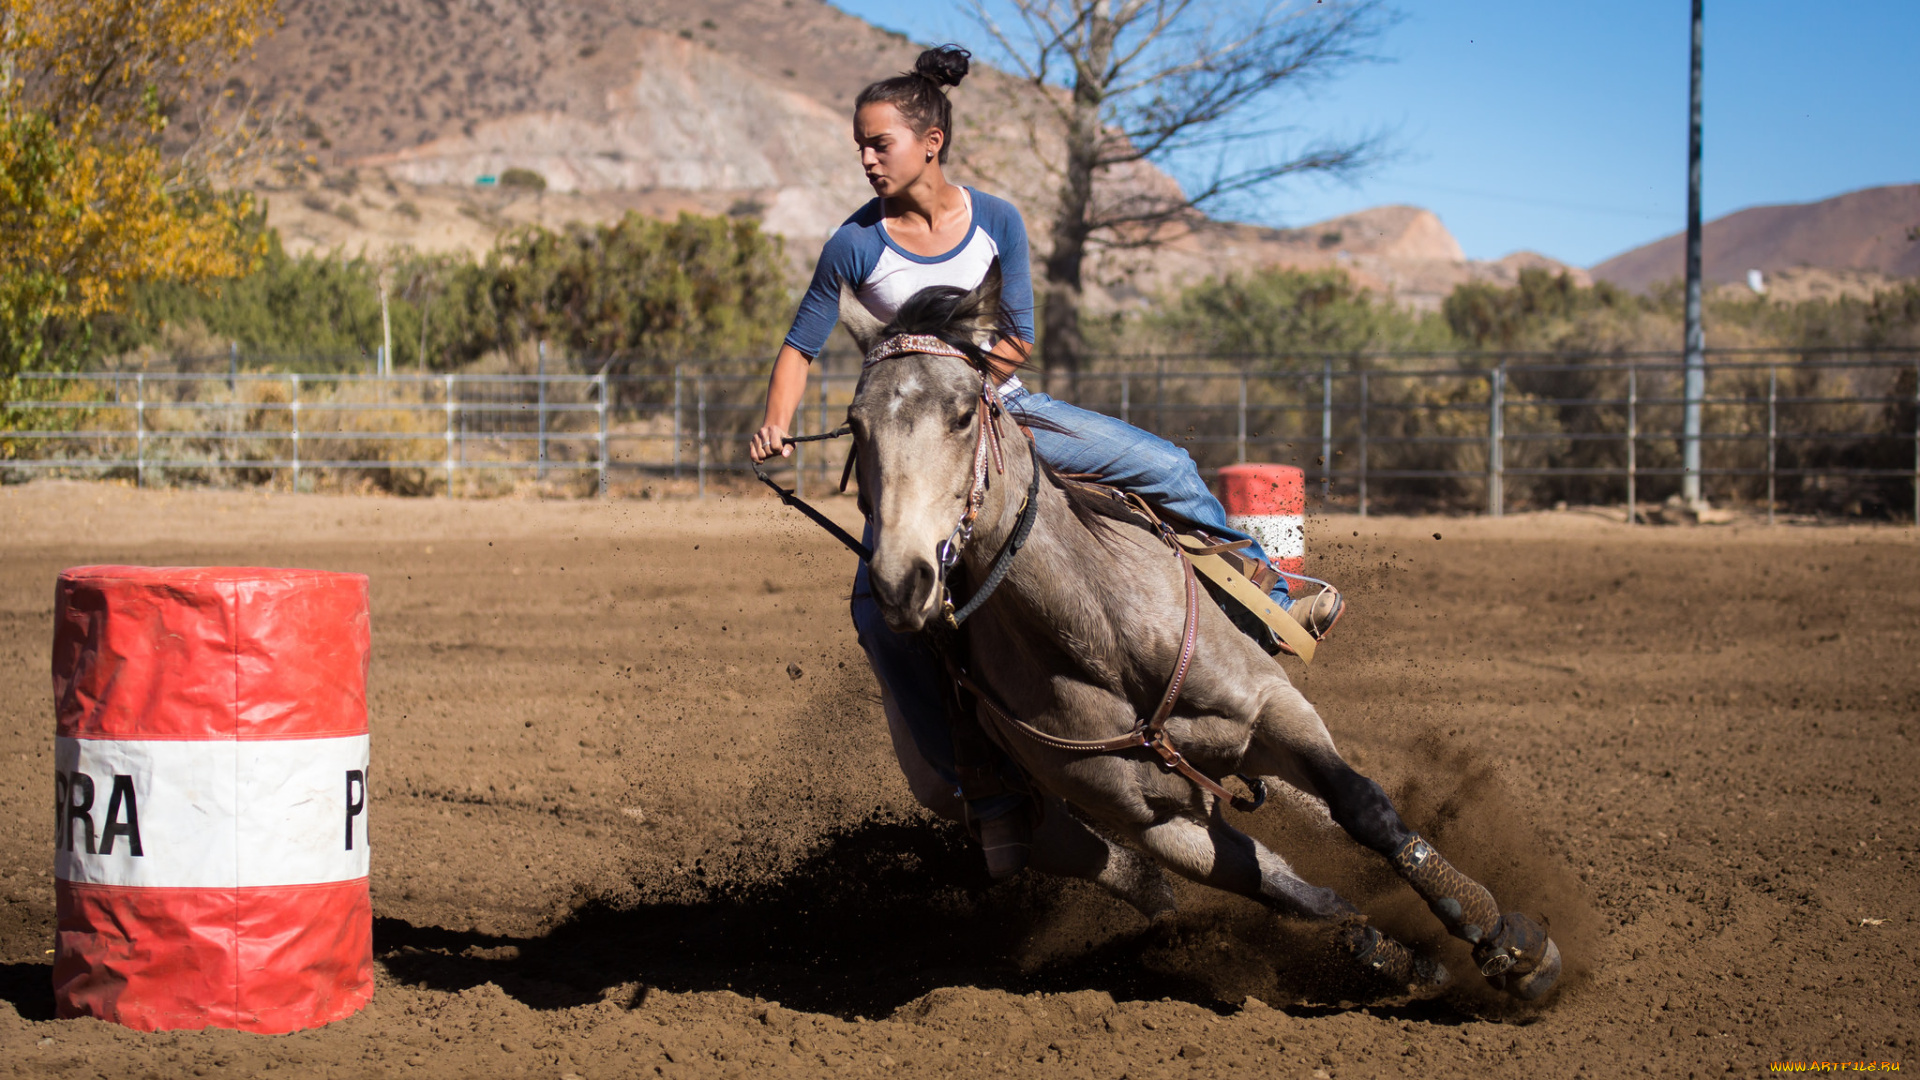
(1429, 974)
(1515, 946)
(1535, 985)
(1520, 958)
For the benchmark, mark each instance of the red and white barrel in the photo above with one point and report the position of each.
(1269, 503)
(211, 797)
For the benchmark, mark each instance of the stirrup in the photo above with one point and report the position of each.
(1316, 614)
(1243, 588)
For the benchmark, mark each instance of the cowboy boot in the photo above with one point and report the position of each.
(1318, 613)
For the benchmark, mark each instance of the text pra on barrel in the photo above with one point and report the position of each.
(211, 797)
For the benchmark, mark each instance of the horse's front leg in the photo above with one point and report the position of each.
(1066, 846)
(1511, 950)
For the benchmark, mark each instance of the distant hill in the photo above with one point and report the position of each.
(715, 106)
(1403, 253)
(1869, 230)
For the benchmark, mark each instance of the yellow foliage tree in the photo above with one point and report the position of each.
(93, 196)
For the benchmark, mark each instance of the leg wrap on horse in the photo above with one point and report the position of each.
(1359, 806)
(979, 782)
(1390, 959)
(1005, 832)
(1511, 950)
(1461, 904)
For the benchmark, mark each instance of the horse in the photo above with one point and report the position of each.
(1091, 625)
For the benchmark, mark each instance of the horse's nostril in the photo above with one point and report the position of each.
(906, 590)
(913, 587)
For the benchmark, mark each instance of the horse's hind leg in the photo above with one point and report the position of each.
(1511, 950)
(1222, 856)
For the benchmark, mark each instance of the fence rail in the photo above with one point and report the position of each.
(1781, 429)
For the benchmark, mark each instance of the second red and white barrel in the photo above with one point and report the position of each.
(211, 757)
(1269, 503)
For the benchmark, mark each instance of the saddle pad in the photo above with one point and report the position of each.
(1216, 570)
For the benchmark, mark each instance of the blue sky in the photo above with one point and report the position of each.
(1560, 126)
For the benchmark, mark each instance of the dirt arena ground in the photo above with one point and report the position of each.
(635, 813)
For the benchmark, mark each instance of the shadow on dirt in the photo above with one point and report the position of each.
(29, 989)
(878, 916)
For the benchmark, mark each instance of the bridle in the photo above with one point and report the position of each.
(1148, 732)
(987, 453)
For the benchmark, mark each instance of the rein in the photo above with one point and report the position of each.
(1148, 732)
(788, 497)
(986, 451)
(1002, 563)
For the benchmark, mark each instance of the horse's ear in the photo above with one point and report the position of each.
(980, 310)
(859, 322)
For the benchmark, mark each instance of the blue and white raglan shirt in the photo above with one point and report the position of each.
(885, 275)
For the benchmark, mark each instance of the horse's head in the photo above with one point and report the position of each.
(915, 417)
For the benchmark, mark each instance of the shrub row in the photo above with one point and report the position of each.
(637, 294)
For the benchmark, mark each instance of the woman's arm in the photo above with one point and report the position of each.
(1001, 220)
(1008, 355)
(784, 390)
(848, 257)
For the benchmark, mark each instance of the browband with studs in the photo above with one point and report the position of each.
(903, 344)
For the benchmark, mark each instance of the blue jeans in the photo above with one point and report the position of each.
(1123, 456)
(1092, 444)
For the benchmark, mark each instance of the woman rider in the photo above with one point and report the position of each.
(921, 230)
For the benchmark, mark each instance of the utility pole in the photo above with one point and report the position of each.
(1696, 344)
(386, 332)
(421, 355)
(541, 472)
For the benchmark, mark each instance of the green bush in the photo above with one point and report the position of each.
(639, 294)
(317, 308)
(1541, 311)
(1270, 314)
(525, 179)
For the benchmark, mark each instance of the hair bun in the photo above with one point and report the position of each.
(943, 65)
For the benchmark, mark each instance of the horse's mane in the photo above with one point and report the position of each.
(961, 318)
(957, 316)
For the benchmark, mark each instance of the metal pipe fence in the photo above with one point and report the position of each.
(1828, 430)
(1836, 431)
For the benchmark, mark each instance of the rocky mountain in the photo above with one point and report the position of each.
(715, 106)
(1876, 231)
(1401, 252)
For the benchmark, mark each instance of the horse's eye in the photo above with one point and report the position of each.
(965, 419)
